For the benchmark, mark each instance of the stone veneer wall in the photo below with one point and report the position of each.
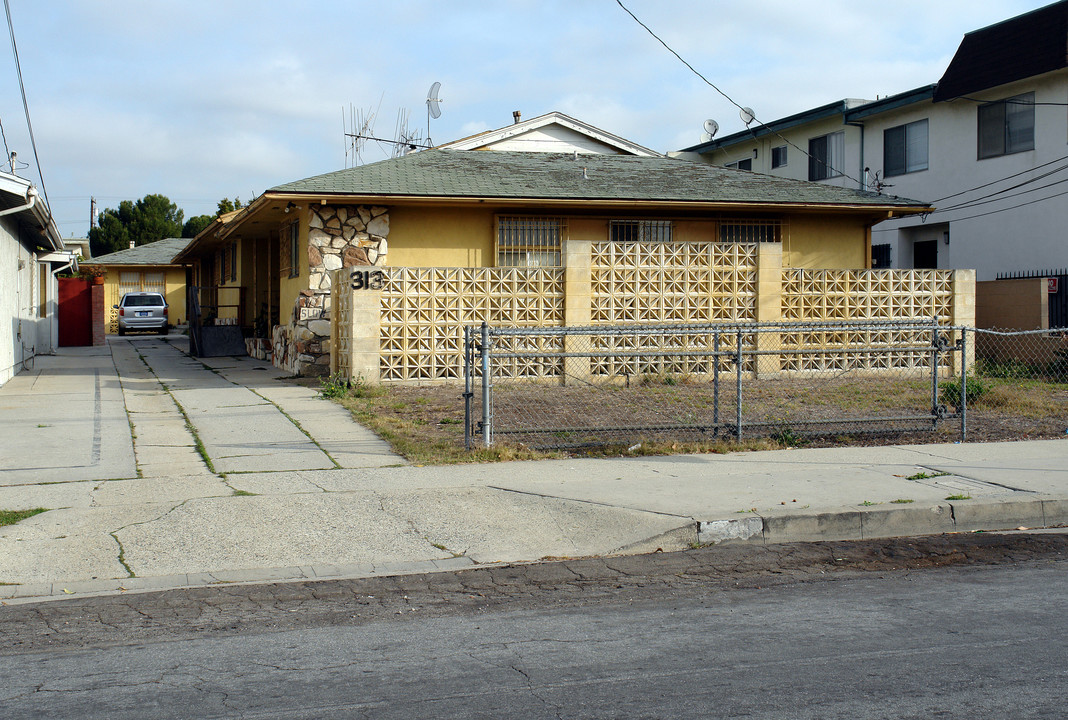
(339, 236)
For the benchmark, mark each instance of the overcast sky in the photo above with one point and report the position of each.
(204, 100)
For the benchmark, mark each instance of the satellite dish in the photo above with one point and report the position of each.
(432, 101)
(747, 116)
(711, 127)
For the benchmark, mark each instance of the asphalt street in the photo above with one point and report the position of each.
(641, 637)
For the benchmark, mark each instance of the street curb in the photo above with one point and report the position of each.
(45, 592)
(871, 523)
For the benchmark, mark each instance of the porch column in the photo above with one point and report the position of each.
(577, 305)
(963, 312)
(768, 304)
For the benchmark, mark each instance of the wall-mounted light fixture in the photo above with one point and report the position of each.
(945, 237)
(291, 206)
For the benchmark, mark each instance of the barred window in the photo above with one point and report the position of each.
(750, 231)
(529, 241)
(640, 230)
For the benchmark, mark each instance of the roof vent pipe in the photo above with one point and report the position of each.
(516, 116)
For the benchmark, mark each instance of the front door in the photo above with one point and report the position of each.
(925, 255)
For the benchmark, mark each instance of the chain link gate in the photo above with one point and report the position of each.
(581, 386)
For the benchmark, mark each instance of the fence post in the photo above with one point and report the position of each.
(963, 385)
(467, 387)
(738, 387)
(715, 383)
(487, 430)
(934, 371)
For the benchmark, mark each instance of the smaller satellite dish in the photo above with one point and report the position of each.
(747, 116)
(432, 101)
(711, 127)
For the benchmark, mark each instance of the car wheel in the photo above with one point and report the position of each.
(163, 330)
(122, 330)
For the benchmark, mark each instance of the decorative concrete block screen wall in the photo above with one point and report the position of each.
(406, 324)
(829, 296)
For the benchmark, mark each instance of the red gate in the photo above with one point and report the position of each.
(75, 312)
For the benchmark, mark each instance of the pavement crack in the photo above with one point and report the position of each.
(122, 555)
(297, 425)
(586, 502)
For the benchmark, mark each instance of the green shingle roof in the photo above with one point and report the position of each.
(562, 176)
(160, 252)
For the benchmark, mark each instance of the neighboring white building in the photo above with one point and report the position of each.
(551, 132)
(31, 253)
(987, 146)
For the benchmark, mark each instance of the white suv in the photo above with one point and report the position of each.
(143, 311)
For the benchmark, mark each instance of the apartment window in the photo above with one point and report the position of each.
(1007, 126)
(826, 155)
(746, 164)
(778, 157)
(750, 231)
(529, 241)
(880, 256)
(640, 230)
(905, 148)
(294, 250)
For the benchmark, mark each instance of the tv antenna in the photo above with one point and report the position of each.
(711, 128)
(432, 109)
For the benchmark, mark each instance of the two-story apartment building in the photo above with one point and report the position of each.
(987, 146)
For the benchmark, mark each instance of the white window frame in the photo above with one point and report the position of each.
(778, 157)
(830, 164)
(914, 148)
(1005, 127)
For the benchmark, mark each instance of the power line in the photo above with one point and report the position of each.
(989, 212)
(984, 198)
(1000, 210)
(26, 106)
(731, 100)
(995, 182)
(978, 201)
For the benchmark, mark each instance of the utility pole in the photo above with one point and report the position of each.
(92, 213)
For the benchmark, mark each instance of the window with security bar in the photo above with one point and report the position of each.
(640, 230)
(750, 231)
(529, 241)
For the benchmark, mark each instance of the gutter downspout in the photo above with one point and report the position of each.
(31, 200)
(863, 174)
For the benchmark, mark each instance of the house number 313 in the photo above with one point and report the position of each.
(367, 279)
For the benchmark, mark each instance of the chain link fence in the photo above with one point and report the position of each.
(575, 387)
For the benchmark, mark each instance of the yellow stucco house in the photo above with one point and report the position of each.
(456, 208)
(145, 268)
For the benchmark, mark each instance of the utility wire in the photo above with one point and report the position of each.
(979, 201)
(26, 106)
(995, 182)
(1000, 210)
(731, 100)
(983, 198)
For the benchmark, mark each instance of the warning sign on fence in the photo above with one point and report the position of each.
(1052, 285)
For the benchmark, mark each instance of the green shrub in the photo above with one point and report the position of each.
(976, 389)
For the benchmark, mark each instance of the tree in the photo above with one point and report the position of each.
(226, 205)
(151, 218)
(196, 224)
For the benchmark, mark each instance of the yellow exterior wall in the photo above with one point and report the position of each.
(464, 237)
(822, 242)
(289, 288)
(440, 237)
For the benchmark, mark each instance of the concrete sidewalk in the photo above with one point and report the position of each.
(161, 470)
